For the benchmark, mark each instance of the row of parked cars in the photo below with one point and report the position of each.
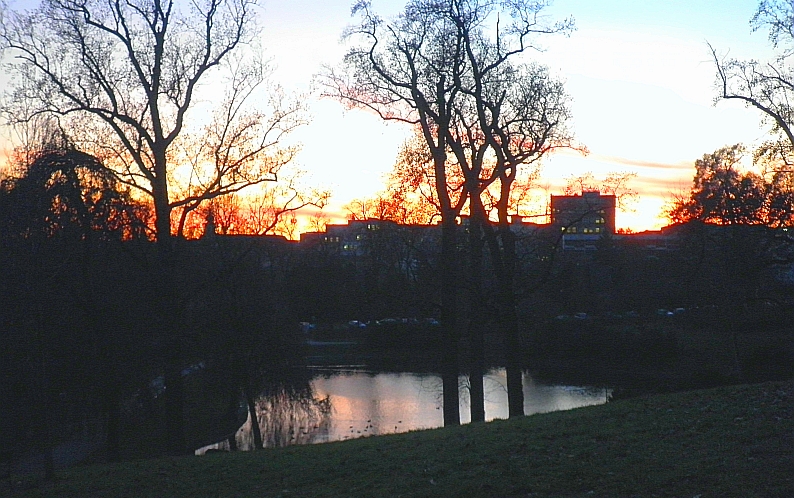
(614, 315)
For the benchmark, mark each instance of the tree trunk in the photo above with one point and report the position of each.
(503, 256)
(170, 319)
(112, 440)
(449, 359)
(515, 387)
(162, 208)
(171, 333)
(45, 414)
(232, 441)
(476, 322)
(234, 400)
(509, 319)
(249, 399)
(174, 400)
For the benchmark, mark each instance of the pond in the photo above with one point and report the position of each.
(343, 404)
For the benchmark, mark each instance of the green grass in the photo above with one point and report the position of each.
(728, 442)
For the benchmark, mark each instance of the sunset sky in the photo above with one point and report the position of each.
(639, 74)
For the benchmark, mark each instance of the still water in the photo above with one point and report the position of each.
(344, 404)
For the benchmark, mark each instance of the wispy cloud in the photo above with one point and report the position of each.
(659, 187)
(682, 166)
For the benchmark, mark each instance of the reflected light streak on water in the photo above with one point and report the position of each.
(364, 404)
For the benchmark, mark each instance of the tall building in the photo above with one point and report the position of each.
(588, 214)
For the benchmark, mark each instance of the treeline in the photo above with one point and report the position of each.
(102, 292)
(96, 329)
(87, 335)
(87, 325)
(622, 306)
(714, 307)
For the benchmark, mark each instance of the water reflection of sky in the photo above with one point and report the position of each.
(365, 404)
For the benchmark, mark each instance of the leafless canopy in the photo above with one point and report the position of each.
(453, 69)
(128, 76)
(767, 86)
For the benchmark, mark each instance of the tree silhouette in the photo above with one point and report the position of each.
(766, 86)
(68, 286)
(722, 194)
(437, 67)
(126, 79)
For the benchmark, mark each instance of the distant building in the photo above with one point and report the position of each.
(653, 240)
(583, 219)
(354, 238)
(590, 213)
(577, 223)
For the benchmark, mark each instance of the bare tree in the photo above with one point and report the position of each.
(126, 78)
(521, 115)
(410, 194)
(318, 221)
(402, 201)
(239, 149)
(267, 209)
(446, 67)
(576, 185)
(412, 182)
(616, 183)
(766, 86)
(380, 207)
(274, 209)
(403, 71)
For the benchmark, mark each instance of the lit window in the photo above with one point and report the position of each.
(598, 230)
(599, 221)
(359, 237)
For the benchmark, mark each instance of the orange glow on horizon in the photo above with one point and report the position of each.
(645, 214)
(655, 184)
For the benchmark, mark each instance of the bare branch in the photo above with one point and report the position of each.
(126, 74)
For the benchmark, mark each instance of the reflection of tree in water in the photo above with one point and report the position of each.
(288, 415)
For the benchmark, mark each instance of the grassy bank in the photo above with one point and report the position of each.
(726, 442)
